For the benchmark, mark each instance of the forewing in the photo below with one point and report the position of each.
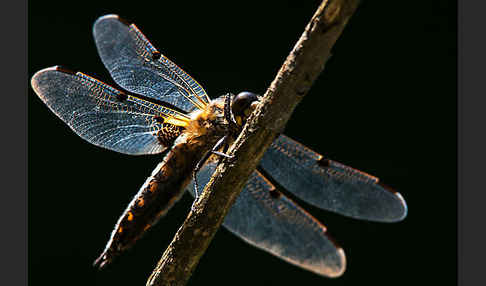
(138, 67)
(107, 117)
(267, 219)
(330, 185)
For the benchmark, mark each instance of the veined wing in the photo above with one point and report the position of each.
(138, 67)
(105, 116)
(330, 185)
(267, 219)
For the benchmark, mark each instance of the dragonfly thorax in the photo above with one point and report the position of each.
(208, 122)
(212, 120)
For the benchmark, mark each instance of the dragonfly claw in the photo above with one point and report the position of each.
(101, 261)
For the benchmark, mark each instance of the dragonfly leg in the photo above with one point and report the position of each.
(222, 154)
(228, 115)
(201, 163)
(218, 145)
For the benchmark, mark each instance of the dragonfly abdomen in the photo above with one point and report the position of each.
(158, 194)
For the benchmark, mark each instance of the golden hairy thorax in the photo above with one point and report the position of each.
(208, 124)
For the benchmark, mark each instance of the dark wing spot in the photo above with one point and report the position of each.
(275, 194)
(156, 55)
(387, 187)
(65, 70)
(159, 119)
(323, 162)
(121, 96)
(124, 21)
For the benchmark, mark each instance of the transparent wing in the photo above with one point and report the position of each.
(330, 185)
(107, 117)
(138, 67)
(267, 219)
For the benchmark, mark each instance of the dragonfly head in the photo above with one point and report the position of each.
(243, 105)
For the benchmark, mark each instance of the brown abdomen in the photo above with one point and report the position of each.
(157, 195)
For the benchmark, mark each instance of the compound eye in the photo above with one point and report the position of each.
(242, 103)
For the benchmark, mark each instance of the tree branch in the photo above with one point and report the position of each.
(293, 81)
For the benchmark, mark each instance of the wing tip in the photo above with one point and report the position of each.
(404, 206)
(342, 264)
(112, 17)
(34, 81)
(331, 271)
(400, 201)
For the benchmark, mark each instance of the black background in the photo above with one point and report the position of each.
(385, 104)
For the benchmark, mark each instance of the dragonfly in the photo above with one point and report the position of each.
(160, 109)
